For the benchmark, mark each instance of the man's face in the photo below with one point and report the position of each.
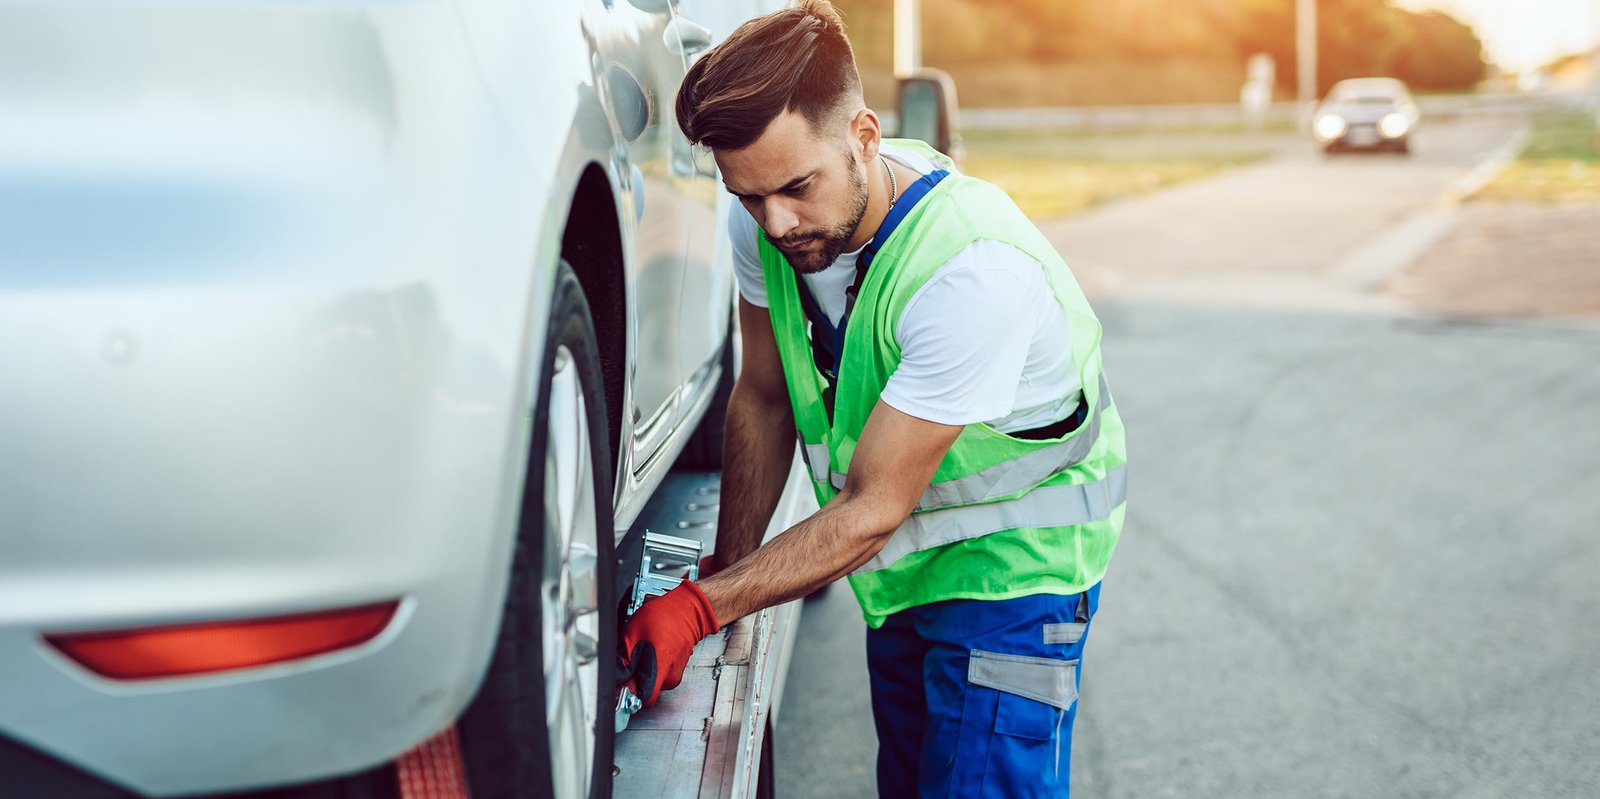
(807, 189)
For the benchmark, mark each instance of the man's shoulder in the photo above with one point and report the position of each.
(986, 260)
(975, 210)
(918, 155)
(985, 274)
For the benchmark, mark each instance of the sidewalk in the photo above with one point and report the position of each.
(1510, 259)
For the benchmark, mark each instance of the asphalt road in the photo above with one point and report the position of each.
(1360, 557)
(1301, 230)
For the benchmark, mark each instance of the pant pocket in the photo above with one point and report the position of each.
(1066, 632)
(1007, 747)
(1030, 703)
(1048, 680)
(1020, 717)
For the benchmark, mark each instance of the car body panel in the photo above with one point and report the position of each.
(275, 276)
(709, 261)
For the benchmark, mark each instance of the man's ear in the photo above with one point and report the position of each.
(865, 134)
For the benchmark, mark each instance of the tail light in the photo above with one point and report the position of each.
(190, 649)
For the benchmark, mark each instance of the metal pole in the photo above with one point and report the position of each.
(1305, 27)
(907, 37)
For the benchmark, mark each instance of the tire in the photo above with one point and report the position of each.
(703, 452)
(510, 740)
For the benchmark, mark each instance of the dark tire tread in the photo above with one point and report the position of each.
(504, 739)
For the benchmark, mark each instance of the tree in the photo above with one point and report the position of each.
(1442, 53)
(1429, 50)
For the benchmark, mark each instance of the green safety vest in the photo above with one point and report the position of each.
(1003, 517)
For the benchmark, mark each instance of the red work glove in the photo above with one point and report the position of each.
(670, 624)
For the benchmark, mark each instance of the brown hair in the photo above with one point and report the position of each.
(797, 59)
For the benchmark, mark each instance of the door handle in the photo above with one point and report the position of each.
(686, 37)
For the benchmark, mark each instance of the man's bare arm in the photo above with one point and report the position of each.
(893, 464)
(758, 441)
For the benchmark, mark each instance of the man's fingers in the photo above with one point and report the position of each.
(660, 638)
(642, 672)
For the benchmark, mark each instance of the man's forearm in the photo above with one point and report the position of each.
(829, 544)
(758, 447)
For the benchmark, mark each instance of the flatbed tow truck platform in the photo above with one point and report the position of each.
(709, 738)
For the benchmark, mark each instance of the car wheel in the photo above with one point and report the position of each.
(541, 724)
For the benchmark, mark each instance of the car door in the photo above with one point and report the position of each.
(707, 283)
(644, 65)
(708, 272)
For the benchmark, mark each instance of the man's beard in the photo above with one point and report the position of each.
(833, 239)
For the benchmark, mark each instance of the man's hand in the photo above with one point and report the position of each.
(672, 623)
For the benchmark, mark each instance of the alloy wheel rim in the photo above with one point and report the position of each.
(570, 596)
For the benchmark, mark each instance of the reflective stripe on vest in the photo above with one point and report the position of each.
(816, 457)
(999, 480)
(1045, 506)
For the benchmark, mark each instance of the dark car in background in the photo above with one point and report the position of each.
(1366, 114)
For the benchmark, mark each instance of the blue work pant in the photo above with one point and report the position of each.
(976, 698)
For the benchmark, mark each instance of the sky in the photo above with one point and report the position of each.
(1522, 34)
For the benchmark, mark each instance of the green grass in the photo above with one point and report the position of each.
(1051, 176)
(1561, 163)
(1567, 136)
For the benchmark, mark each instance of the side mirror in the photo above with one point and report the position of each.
(928, 111)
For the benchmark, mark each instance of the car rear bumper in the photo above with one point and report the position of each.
(266, 282)
(290, 722)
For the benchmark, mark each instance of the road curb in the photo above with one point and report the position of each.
(1370, 266)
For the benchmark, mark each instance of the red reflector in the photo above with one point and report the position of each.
(183, 649)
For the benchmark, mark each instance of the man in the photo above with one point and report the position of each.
(961, 441)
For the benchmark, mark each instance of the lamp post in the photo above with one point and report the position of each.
(907, 37)
(1305, 63)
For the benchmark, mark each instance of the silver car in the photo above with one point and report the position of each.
(1366, 114)
(341, 342)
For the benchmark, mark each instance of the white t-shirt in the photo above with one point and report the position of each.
(984, 340)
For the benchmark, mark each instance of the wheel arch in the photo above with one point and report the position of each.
(591, 243)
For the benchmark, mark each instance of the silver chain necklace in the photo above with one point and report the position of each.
(894, 186)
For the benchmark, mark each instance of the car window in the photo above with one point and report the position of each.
(1368, 92)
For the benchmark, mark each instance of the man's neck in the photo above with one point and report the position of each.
(877, 201)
